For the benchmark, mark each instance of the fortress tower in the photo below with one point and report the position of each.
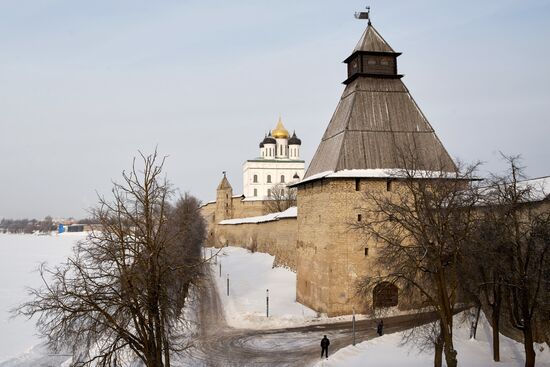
(224, 201)
(375, 123)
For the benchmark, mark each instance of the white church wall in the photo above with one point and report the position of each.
(269, 174)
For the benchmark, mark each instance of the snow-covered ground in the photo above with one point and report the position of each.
(387, 351)
(250, 275)
(21, 256)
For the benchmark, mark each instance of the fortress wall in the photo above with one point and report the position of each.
(244, 209)
(277, 238)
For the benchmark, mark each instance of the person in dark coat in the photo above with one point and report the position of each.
(380, 328)
(324, 346)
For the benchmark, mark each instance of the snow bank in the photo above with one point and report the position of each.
(291, 212)
(387, 351)
(250, 275)
(22, 254)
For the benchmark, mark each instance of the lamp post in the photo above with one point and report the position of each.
(353, 325)
(267, 302)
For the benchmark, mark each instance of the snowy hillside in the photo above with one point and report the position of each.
(250, 275)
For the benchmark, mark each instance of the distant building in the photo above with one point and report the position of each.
(279, 163)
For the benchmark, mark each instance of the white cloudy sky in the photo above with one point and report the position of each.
(85, 84)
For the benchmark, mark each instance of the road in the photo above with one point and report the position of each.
(222, 346)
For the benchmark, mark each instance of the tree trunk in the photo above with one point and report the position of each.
(528, 343)
(478, 311)
(438, 357)
(495, 321)
(448, 348)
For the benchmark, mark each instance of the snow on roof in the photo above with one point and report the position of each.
(540, 187)
(375, 173)
(291, 212)
(208, 203)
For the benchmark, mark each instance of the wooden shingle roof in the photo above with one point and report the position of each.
(375, 123)
(372, 41)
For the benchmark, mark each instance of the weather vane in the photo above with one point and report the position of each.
(363, 14)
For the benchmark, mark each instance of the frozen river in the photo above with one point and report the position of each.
(20, 257)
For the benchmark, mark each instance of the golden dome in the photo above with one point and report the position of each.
(280, 132)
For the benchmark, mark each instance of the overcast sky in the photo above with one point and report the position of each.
(85, 84)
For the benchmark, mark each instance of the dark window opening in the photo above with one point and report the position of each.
(366, 251)
(359, 217)
(357, 182)
(385, 294)
(388, 185)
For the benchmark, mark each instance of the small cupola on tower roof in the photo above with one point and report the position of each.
(372, 56)
(280, 132)
(269, 139)
(294, 140)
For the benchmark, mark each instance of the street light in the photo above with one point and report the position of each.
(267, 302)
(353, 325)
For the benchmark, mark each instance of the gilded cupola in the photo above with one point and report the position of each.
(280, 132)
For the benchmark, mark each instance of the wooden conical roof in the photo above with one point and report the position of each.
(372, 41)
(375, 124)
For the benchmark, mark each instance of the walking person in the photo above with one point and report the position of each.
(380, 328)
(324, 346)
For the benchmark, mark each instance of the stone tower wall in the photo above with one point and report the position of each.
(331, 255)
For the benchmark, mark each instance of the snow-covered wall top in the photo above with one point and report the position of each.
(291, 212)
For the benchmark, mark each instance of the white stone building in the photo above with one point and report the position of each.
(279, 163)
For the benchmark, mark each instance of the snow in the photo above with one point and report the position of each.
(388, 351)
(22, 254)
(541, 187)
(291, 212)
(250, 275)
(374, 173)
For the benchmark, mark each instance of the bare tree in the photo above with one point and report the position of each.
(420, 228)
(120, 296)
(483, 268)
(46, 225)
(521, 229)
(281, 198)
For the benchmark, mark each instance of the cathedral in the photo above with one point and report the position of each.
(279, 163)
